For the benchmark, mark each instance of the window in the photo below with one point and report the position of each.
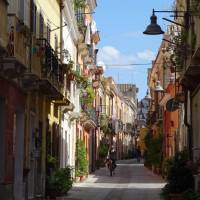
(56, 44)
(41, 26)
(48, 33)
(21, 10)
(33, 17)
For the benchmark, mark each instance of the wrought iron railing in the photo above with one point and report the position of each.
(51, 67)
(92, 115)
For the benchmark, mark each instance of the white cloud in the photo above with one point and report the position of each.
(146, 55)
(111, 56)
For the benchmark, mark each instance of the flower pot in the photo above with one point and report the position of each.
(82, 178)
(176, 196)
(77, 179)
(54, 194)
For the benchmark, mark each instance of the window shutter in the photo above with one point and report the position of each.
(27, 13)
(33, 17)
(21, 10)
(41, 26)
(48, 33)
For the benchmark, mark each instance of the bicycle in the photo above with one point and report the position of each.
(111, 166)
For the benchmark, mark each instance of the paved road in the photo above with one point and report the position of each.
(131, 181)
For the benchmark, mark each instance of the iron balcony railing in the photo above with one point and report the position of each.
(51, 67)
(92, 115)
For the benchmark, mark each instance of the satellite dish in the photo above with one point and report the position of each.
(172, 105)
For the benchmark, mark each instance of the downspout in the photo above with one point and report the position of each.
(188, 125)
(61, 61)
(61, 30)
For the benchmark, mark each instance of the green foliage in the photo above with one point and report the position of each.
(81, 163)
(153, 153)
(88, 96)
(79, 4)
(179, 174)
(103, 150)
(82, 81)
(179, 49)
(105, 127)
(60, 180)
(191, 195)
(70, 64)
(51, 161)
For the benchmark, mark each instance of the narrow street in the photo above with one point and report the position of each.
(131, 181)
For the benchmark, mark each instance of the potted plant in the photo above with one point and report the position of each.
(81, 162)
(179, 176)
(153, 155)
(103, 150)
(59, 182)
(87, 97)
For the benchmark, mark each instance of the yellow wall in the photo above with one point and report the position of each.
(3, 24)
(51, 12)
(143, 132)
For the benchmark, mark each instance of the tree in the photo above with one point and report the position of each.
(81, 163)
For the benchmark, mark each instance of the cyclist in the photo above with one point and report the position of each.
(112, 156)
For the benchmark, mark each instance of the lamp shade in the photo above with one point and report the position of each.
(148, 96)
(153, 28)
(158, 87)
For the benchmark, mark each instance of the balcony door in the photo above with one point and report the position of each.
(32, 164)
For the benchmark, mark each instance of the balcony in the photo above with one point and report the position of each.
(191, 76)
(128, 128)
(118, 126)
(52, 72)
(92, 119)
(16, 61)
(46, 74)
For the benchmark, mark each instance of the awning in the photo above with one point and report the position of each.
(165, 98)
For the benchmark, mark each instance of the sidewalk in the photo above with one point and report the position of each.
(132, 181)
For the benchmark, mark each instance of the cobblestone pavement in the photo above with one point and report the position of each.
(131, 181)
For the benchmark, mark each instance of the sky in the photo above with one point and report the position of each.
(121, 23)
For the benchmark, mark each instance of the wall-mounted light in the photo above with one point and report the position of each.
(148, 96)
(158, 87)
(154, 29)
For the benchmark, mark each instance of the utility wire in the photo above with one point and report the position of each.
(130, 64)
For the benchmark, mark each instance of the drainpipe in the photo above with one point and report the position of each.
(61, 29)
(188, 125)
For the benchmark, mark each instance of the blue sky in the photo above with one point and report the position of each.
(121, 24)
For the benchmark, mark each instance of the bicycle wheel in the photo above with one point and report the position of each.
(111, 171)
(111, 168)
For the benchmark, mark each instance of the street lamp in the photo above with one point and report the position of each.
(154, 29)
(158, 87)
(148, 96)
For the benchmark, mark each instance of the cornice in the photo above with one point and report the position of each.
(92, 4)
